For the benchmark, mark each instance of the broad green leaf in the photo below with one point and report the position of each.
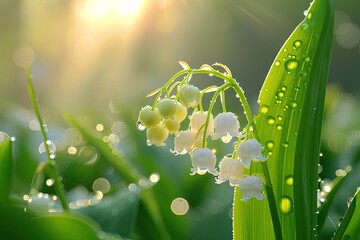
(350, 225)
(289, 124)
(5, 166)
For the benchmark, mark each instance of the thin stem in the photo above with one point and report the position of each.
(212, 102)
(55, 174)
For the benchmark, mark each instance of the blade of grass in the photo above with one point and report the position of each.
(290, 129)
(50, 162)
(325, 207)
(350, 225)
(5, 167)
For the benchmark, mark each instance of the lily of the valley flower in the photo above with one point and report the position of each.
(184, 141)
(203, 160)
(198, 120)
(189, 96)
(250, 150)
(167, 107)
(230, 169)
(226, 126)
(251, 186)
(149, 117)
(157, 135)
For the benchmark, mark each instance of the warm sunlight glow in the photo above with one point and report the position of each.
(111, 9)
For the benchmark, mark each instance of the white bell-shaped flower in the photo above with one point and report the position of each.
(251, 186)
(250, 150)
(203, 160)
(198, 120)
(226, 126)
(157, 135)
(230, 169)
(184, 141)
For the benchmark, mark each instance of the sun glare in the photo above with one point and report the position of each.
(111, 9)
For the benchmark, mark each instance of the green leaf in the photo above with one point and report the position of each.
(325, 207)
(65, 226)
(5, 167)
(289, 126)
(350, 225)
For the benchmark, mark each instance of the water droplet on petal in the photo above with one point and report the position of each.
(140, 126)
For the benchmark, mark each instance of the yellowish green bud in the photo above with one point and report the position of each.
(167, 107)
(157, 135)
(149, 117)
(189, 96)
(181, 112)
(172, 125)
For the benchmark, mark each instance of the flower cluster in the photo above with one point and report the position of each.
(165, 117)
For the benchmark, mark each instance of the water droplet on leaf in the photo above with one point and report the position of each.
(291, 65)
(270, 120)
(264, 109)
(285, 205)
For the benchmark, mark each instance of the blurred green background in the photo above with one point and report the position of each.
(99, 58)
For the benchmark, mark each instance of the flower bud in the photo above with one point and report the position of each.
(181, 112)
(189, 96)
(171, 124)
(157, 135)
(148, 117)
(250, 150)
(203, 160)
(251, 186)
(167, 107)
(230, 169)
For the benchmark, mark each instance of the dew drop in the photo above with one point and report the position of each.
(283, 88)
(293, 105)
(279, 127)
(305, 26)
(280, 118)
(270, 153)
(149, 143)
(320, 168)
(291, 65)
(140, 126)
(280, 94)
(309, 15)
(297, 89)
(285, 205)
(289, 180)
(51, 145)
(285, 144)
(297, 44)
(264, 109)
(270, 144)
(270, 120)
(277, 63)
